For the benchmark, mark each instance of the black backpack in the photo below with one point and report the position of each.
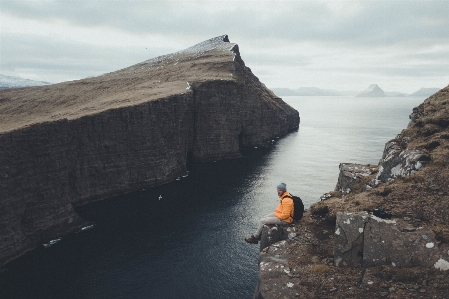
(298, 207)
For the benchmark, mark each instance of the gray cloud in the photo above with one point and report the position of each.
(437, 57)
(274, 59)
(392, 71)
(375, 22)
(400, 37)
(57, 60)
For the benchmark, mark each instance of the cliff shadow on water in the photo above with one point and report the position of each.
(159, 242)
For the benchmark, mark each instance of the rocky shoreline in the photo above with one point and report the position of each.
(343, 250)
(76, 142)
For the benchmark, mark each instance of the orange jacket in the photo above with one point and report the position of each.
(284, 210)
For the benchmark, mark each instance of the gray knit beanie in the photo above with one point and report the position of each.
(282, 187)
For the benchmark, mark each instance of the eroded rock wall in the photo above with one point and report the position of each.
(73, 143)
(48, 168)
(231, 115)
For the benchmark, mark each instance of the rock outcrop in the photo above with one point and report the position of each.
(351, 175)
(75, 142)
(272, 234)
(340, 251)
(398, 162)
(416, 114)
(364, 240)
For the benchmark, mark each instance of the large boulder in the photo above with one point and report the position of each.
(352, 174)
(397, 161)
(364, 240)
(348, 239)
(272, 234)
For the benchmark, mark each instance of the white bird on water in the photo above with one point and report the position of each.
(160, 197)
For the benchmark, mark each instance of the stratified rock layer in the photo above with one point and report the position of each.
(76, 142)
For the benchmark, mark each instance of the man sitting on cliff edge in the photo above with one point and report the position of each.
(282, 215)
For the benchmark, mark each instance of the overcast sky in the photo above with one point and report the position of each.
(345, 45)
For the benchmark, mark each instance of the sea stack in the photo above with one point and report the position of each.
(76, 142)
(372, 91)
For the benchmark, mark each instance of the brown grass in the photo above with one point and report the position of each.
(441, 233)
(321, 269)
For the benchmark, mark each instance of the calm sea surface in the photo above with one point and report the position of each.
(189, 243)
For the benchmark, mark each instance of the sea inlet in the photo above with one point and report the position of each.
(186, 239)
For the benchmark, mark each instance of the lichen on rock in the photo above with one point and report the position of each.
(339, 254)
(398, 161)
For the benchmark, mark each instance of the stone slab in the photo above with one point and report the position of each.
(364, 240)
(348, 239)
(272, 234)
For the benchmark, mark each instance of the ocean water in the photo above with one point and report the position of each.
(185, 239)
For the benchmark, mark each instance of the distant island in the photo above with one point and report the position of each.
(372, 91)
(424, 92)
(313, 91)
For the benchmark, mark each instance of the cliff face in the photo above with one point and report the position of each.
(76, 142)
(342, 252)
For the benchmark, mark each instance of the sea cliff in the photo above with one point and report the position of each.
(76, 142)
(383, 232)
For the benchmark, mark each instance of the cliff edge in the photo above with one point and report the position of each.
(75, 142)
(383, 232)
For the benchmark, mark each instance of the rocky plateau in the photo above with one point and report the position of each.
(76, 142)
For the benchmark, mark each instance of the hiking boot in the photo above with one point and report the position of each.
(252, 240)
